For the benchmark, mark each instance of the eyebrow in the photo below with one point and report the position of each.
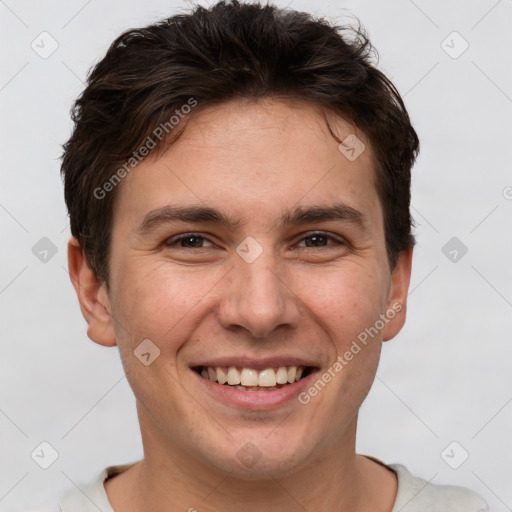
(298, 216)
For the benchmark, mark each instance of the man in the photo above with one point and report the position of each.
(238, 183)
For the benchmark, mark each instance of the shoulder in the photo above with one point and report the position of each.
(416, 495)
(89, 497)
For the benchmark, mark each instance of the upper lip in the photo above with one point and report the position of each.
(256, 364)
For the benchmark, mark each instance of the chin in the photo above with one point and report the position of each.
(258, 457)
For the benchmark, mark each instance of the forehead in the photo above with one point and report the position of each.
(263, 156)
(241, 122)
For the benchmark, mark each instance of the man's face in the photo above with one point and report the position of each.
(269, 289)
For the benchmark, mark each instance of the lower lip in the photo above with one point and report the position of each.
(256, 400)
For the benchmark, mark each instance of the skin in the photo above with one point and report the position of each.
(252, 161)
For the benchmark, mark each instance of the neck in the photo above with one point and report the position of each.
(334, 479)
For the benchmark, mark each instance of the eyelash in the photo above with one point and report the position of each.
(173, 241)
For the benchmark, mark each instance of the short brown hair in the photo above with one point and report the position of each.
(230, 50)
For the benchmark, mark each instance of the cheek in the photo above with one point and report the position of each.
(159, 303)
(345, 301)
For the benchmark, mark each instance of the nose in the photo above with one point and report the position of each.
(258, 298)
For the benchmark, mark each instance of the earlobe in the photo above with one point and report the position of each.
(396, 308)
(92, 297)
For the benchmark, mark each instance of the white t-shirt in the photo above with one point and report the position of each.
(414, 495)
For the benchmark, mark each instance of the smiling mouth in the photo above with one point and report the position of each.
(249, 379)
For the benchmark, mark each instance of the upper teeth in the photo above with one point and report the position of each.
(249, 377)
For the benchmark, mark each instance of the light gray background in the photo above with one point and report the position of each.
(445, 378)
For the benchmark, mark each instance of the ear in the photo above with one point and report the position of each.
(92, 296)
(396, 308)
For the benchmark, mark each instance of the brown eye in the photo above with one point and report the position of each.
(188, 241)
(320, 240)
